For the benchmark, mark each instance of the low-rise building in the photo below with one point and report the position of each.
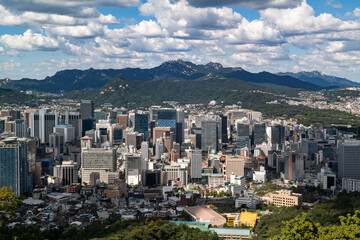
(285, 198)
(205, 214)
(247, 199)
(215, 180)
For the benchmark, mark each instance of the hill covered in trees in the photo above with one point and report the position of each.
(326, 216)
(139, 229)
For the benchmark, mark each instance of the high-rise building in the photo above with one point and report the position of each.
(275, 134)
(68, 131)
(14, 169)
(74, 119)
(117, 137)
(309, 147)
(145, 154)
(87, 109)
(195, 165)
(101, 160)
(122, 120)
(133, 169)
(159, 132)
(134, 139)
(179, 134)
(42, 124)
(294, 166)
(141, 124)
(243, 130)
(20, 128)
(57, 143)
(259, 133)
(87, 124)
(349, 160)
(27, 116)
(159, 148)
(223, 129)
(67, 172)
(209, 135)
(233, 165)
(2, 125)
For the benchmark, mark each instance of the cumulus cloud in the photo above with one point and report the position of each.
(81, 31)
(175, 16)
(254, 32)
(147, 29)
(302, 20)
(197, 31)
(77, 8)
(355, 13)
(254, 4)
(29, 41)
(161, 45)
(343, 46)
(31, 19)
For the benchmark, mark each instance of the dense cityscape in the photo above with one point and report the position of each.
(179, 119)
(206, 166)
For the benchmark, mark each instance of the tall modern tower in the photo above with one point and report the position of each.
(20, 128)
(74, 119)
(42, 124)
(14, 170)
(349, 160)
(259, 133)
(209, 135)
(195, 165)
(223, 129)
(87, 109)
(179, 134)
(141, 124)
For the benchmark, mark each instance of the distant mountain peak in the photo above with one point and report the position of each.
(321, 79)
(214, 65)
(313, 72)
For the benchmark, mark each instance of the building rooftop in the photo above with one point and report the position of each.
(231, 231)
(204, 213)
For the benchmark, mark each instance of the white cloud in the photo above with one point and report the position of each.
(334, 4)
(343, 46)
(29, 41)
(159, 45)
(255, 4)
(8, 66)
(78, 8)
(7, 18)
(302, 20)
(355, 13)
(175, 16)
(148, 29)
(254, 32)
(31, 19)
(81, 31)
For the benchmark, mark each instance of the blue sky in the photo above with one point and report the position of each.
(38, 38)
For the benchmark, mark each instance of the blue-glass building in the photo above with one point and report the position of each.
(141, 124)
(14, 165)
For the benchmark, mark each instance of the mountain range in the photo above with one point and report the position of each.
(320, 79)
(69, 80)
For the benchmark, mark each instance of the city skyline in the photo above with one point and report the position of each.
(37, 38)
